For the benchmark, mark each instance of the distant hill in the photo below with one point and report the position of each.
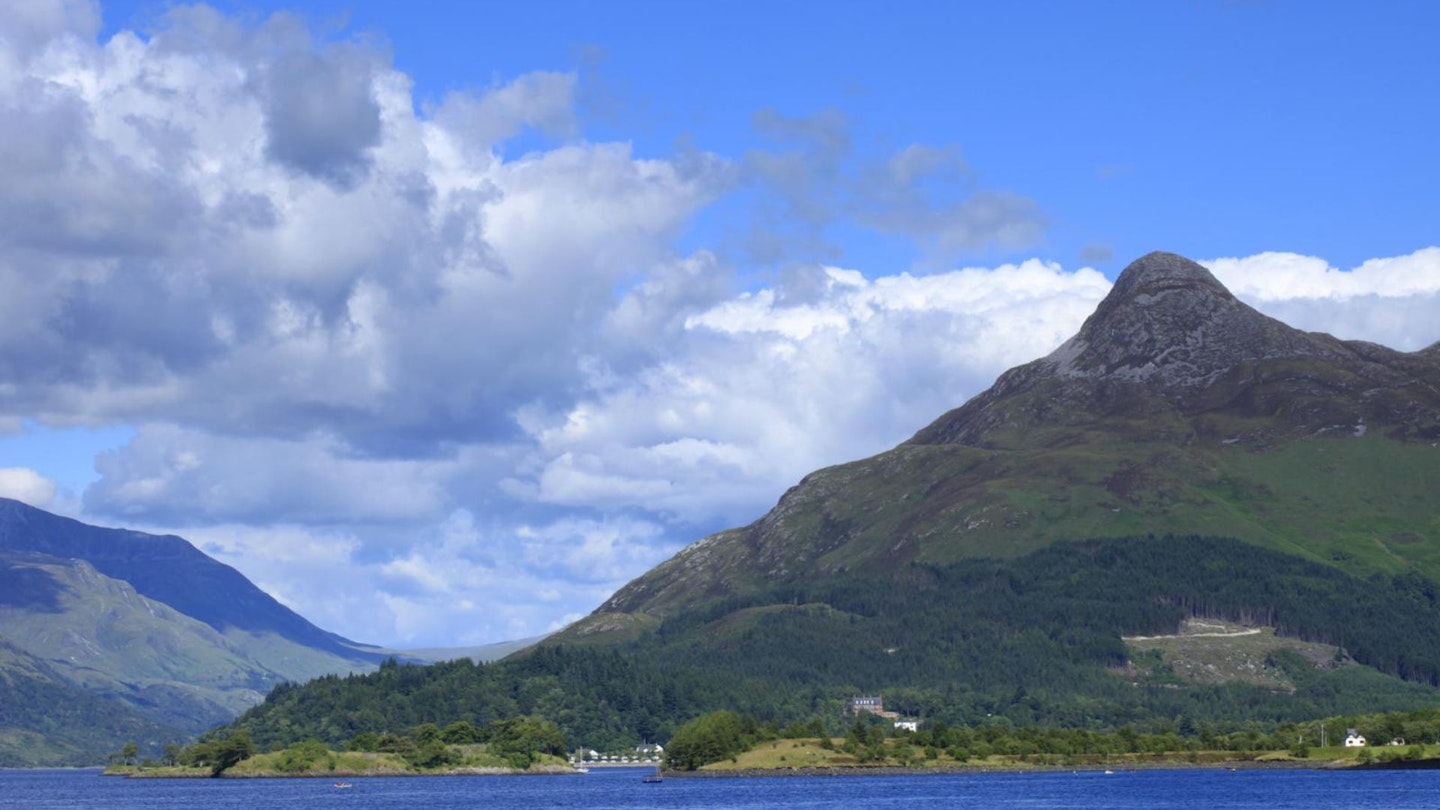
(147, 624)
(169, 570)
(479, 653)
(1181, 457)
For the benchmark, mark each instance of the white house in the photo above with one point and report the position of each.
(869, 703)
(907, 725)
(1354, 739)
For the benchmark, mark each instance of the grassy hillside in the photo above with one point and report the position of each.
(46, 722)
(1364, 505)
(141, 621)
(99, 635)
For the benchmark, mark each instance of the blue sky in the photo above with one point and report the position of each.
(492, 306)
(1206, 128)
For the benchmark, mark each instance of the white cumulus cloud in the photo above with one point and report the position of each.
(1392, 301)
(758, 390)
(25, 484)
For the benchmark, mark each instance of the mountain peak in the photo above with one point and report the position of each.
(1169, 321)
(1158, 273)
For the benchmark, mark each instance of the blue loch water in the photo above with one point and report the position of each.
(613, 789)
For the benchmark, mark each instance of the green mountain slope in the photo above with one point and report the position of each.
(46, 722)
(169, 570)
(98, 634)
(144, 625)
(1242, 470)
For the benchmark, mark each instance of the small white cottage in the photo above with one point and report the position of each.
(1354, 739)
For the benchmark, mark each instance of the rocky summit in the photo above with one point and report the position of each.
(1168, 322)
(1176, 408)
(1169, 339)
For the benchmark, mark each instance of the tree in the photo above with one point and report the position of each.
(302, 757)
(520, 739)
(424, 733)
(128, 753)
(231, 750)
(460, 733)
(708, 738)
(365, 741)
(433, 753)
(856, 737)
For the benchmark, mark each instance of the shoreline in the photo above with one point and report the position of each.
(1092, 768)
(802, 771)
(204, 773)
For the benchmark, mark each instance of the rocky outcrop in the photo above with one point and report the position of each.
(1170, 341)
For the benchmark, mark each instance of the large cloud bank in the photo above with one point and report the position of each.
(430, 393)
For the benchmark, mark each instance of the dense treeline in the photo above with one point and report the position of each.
(1031, 638)
(1030, 620)
(1031, 641)
(599, 698)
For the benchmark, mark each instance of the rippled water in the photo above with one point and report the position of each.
(602, 790)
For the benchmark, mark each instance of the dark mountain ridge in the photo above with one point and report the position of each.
(168, 569)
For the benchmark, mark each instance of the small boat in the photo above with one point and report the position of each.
(652, 778)
(343, 785)
(581, 769)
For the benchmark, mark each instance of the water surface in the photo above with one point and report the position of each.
(622, 788)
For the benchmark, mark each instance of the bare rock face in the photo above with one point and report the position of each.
(1170, 341)
(1168, 321)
